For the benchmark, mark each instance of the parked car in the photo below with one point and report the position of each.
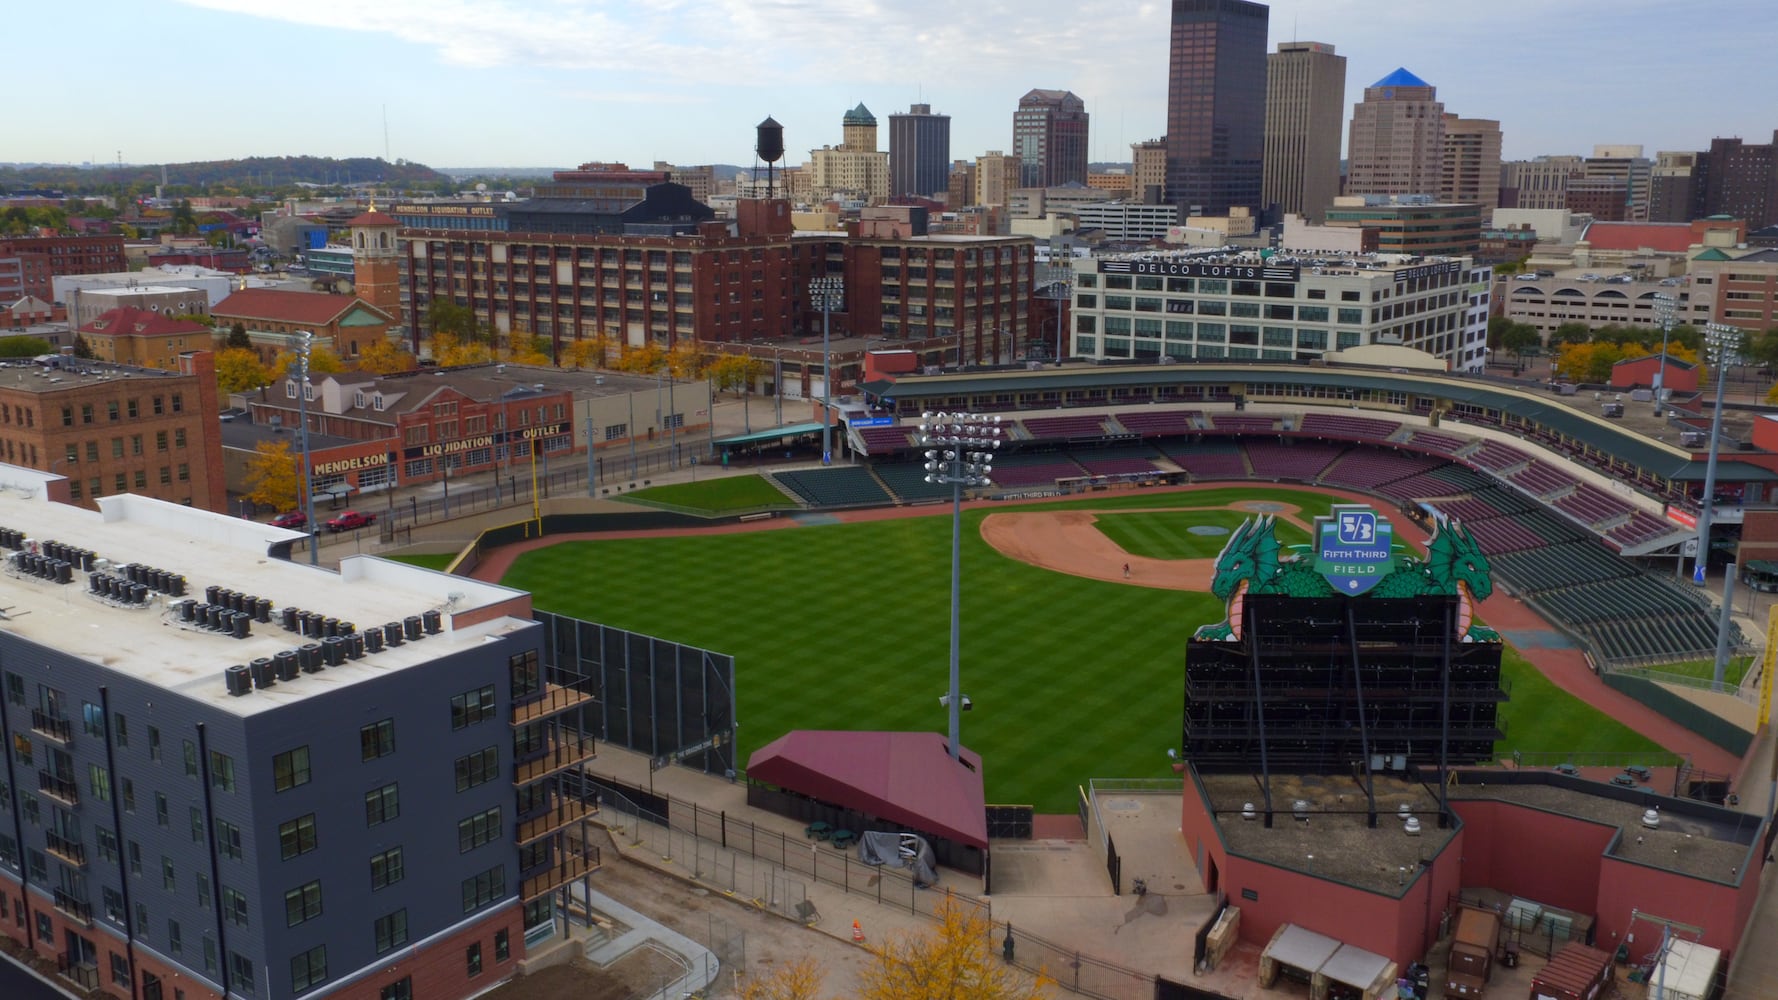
(349, 520)
(293, 519)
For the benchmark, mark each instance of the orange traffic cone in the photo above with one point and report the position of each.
(857, 932)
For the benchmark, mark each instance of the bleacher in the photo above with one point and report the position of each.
(1444, 444)
(1593, 506)
(1243, 424)
(1540, 479)
(1159, 423)
(1548, 567)
(883, 440)
(1495, 456)
(1209, 459)
(1124, 461)
(1369, 468)
(907, 482)
(1073, 426)
(1641, 616)
(840, 486)
(1347, 427)
(1297, 459)
(1041, 469)
(1641, 527)
(1421, 486)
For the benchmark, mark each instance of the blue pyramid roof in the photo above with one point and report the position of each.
(1401, 78)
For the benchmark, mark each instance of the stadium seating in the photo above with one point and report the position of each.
(1122, 461)
(1159, 423)
(1209, 459)
(1299, 460)
(907, 482)
(1042, 469)
(1070, 427)
(1593, 506)
(1641, 527)
(1242, 424)
(884, 440)
(1444, 444)
(841, 486)
(1369, 468)
(1347, 427)
(1496, 457)
(1540, 479)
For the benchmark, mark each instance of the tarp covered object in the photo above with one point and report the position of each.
(899, 850)
(904, 778)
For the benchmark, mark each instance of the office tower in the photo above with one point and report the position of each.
(1148, 162)
(1049, 137)
(1618, 172)
(1675, 191)
(1216, 105)
(855, 167)
(1539, 183)
(1741, 180)
(1305, 99)
(919, 152)
(1397, 138)
(996, 175)
(1470, 169)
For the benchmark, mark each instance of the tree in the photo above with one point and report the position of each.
(524, 349)
(1571, 333)
(448, 351)
(445, 316)
(1589, 362)
(734, 372)
(237, 336)
(203, 319)
(949, 962)
(585, 353)
(82, 349)
(797, 980)
(384, 357)
(1520, 337)
(272, 480)
(646, 359)
(23, 347)
(238, 369)
(322, 361)
(685, 360)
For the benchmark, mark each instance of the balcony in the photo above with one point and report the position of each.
(560, 753)
(82, 974)
(567, 869)
(53, 726)
(60, 789)
(556, 698)
(558, 817)
(71, 851)
(74, 907)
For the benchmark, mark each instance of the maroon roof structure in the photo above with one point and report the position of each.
(904, 778)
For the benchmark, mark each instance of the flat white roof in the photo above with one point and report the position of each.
(151, 644)
(122, 290)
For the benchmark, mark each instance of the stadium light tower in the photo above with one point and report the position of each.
(828, 292)
(1666, 308)
(302, 343)
(950, 461)
(1722, 344)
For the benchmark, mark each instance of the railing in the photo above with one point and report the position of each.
(557, 818)
(83, 974)
(53, 726)
(77, 908)
(555, 699)
(566, 870)
(561, 754)
(60, 789)
(71, 851)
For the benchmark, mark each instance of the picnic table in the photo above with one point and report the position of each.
(817, 830)
(1638, 771)
(843, 839)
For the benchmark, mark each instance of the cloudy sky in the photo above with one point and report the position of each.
(559, 82)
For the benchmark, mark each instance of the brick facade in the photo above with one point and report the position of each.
(37, 260)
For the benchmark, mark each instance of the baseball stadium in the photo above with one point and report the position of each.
(1150, 587)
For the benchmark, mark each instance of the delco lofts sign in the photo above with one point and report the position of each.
(1201, 269)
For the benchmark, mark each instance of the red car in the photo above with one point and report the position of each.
(349, 520)
(292, 519)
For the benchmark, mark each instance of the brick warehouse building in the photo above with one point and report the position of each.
(28, 264)
(114, 429)
(718, 286)
(197, 812)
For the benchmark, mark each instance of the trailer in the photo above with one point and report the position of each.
(1472, 952)
(1687, 971)
(1575, 973)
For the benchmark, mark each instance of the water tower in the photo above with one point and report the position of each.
(769, 146)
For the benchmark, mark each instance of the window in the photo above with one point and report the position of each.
(169, 875)
(120, 727)
(209, 955)
(240, 970)
(401, 989)
(527, 676)
(154, 743)
(502, 946)
(308, 968)
(174, 942)
(135, 409)
(473, 959)
(135, 852)
(191, 759)
(107, 843)
(381, 804)
(478, 830)
(178, 437)
(472, 707)
(15, 689)
(160, 440)
(120, 969)
(302, 903)
(377, 740)
(290, 769)
(128, 789)
(228, 839)
(113, 903)
(480, 890)
(178, 403)
(296, 837)
(477, 768)
(391, 931)
(142, 919)
(92, 719)
(203, 891)
(234, 906)
(100, 781)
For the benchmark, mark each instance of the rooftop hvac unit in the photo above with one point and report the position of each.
(238, 679)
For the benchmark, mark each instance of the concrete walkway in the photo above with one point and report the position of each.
(702, 966)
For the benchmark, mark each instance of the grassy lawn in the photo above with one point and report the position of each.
(1732, 671)
(428, 560)
(847, 627)
(724, 493)
(1168, 535)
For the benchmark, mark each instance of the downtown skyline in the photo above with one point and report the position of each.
(477, 83)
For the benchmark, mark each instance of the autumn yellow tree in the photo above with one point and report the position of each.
(585, 353)
(450, 352)
(646, 359)
(685, 360)
(525, 349)
(238, 369)
(732, 372)
(950, 961)
(1589, 362)
(271, 478)
(322, 361)
(797, 980)
(384, 357)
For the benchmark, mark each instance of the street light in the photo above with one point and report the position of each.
(949, 462)
(1722, 344)
(1666, 308)
(829, 293)
(302, 342)
(1061, 282)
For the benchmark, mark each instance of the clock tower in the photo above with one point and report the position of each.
(376, 261)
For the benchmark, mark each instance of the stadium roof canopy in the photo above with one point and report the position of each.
(904, 778)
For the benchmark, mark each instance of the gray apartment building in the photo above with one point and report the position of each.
(232, 775)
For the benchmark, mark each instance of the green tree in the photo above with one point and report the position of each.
(24, 347)
(82, 349)
(237, 336)
(1520, 338)
(447, 317)
(1571, 333)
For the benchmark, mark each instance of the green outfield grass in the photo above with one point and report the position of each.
(1168, 535)
(427, 560)
(847, 627)
(725, 493)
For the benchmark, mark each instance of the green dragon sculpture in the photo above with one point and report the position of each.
(1253, 562)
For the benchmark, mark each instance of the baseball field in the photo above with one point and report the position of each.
(1073, 673)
